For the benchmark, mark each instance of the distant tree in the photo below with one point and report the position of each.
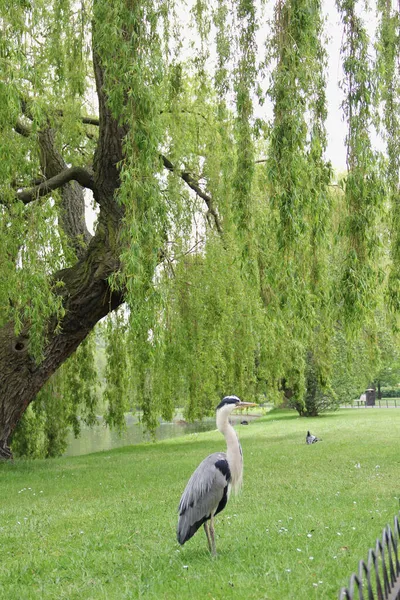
(388, 376)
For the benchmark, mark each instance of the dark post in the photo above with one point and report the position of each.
(370, 397)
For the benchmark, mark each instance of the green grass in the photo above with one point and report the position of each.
(103, 525)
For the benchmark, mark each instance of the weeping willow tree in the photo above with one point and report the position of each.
(217, 238)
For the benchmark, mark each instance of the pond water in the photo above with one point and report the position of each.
(102, 438)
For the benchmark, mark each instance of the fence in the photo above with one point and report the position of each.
(379, 577)
(379, 402)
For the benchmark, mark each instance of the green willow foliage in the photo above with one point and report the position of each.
(244, 88)
(238, 288)
(44, 65)
(67, 400)
(365, 189)
(298, 177)
(388, 49)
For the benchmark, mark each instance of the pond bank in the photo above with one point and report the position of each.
(100, 437)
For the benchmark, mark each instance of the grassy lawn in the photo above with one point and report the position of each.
(103, 525)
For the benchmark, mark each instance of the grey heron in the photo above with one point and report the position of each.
(208, 489)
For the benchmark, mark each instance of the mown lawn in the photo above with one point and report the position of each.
(103, 525)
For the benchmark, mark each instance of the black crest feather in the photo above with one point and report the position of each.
(228, 400)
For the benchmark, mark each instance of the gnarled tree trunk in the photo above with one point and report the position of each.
(86, 293)
(87, 296)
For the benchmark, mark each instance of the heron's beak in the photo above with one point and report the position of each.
(242, 404)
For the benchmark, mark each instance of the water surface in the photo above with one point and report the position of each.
(100, 437)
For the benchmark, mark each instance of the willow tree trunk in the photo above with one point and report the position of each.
(85, 290)
(87, 298)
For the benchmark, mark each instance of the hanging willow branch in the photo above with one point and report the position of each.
(389, 77)
(364, 186)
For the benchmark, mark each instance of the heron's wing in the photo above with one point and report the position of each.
(206, 491)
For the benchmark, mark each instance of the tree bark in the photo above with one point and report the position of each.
(87, 299)
(86, 293)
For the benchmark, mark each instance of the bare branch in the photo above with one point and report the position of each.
(79, 174)
(91, 121)
(85, 120)
(194, 185)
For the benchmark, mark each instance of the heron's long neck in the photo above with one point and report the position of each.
(233, 451)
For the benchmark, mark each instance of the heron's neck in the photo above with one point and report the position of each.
(233, 451)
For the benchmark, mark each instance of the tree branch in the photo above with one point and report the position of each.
(194, 185)
(91, 121)
(85, 120)
(22, 128)
(79, 174)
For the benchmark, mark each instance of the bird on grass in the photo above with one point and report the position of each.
(208, 489)
(311, 439)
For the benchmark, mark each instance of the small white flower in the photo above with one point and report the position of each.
(299, 550)
(357, 466)
(309, 535)
(288, 570)
(353, 528)
(19, 522)
(315, 584)
(354, 502)
(377, 467)
(338, 533)
(185, 566)
(320, 582)
(311, 557)
(81, 532)
(335, 557)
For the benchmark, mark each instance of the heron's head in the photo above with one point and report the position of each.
(229, 403)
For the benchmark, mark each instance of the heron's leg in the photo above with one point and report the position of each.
(207, 530)
(212, 533)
